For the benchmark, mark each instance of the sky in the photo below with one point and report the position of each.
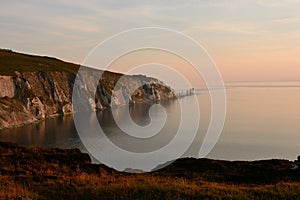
(250, 40)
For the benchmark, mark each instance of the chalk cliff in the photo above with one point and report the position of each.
(30, 95)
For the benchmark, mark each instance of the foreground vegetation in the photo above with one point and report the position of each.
(39, 173)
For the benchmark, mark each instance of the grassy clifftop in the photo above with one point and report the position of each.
(39, 173)
(12, 61)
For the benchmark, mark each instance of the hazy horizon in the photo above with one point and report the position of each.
(248, 40)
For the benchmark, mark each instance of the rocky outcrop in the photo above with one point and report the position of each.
(31, 96)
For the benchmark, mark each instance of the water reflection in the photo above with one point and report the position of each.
(140, 115)
(54, 132)
(262, 122)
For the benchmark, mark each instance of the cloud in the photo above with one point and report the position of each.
(228, 27)
(288, 20)
(75, 25)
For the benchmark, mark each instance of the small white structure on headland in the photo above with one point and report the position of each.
(185, 93)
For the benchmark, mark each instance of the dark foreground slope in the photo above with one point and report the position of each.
(39, 173)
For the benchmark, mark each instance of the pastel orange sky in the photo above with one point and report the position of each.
(248, 40)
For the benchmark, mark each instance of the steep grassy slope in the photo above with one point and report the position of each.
(11, 61)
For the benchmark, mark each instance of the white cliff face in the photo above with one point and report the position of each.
(31, 96)
(7, 86)
(118, 98)
(14, 113)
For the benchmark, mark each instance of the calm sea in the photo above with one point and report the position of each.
(262, 122)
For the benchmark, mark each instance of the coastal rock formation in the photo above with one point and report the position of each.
(30, 96)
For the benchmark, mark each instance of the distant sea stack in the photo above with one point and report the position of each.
(35, 87)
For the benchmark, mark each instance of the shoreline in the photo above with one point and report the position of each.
(54, 116)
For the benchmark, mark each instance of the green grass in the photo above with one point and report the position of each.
(11, 61)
